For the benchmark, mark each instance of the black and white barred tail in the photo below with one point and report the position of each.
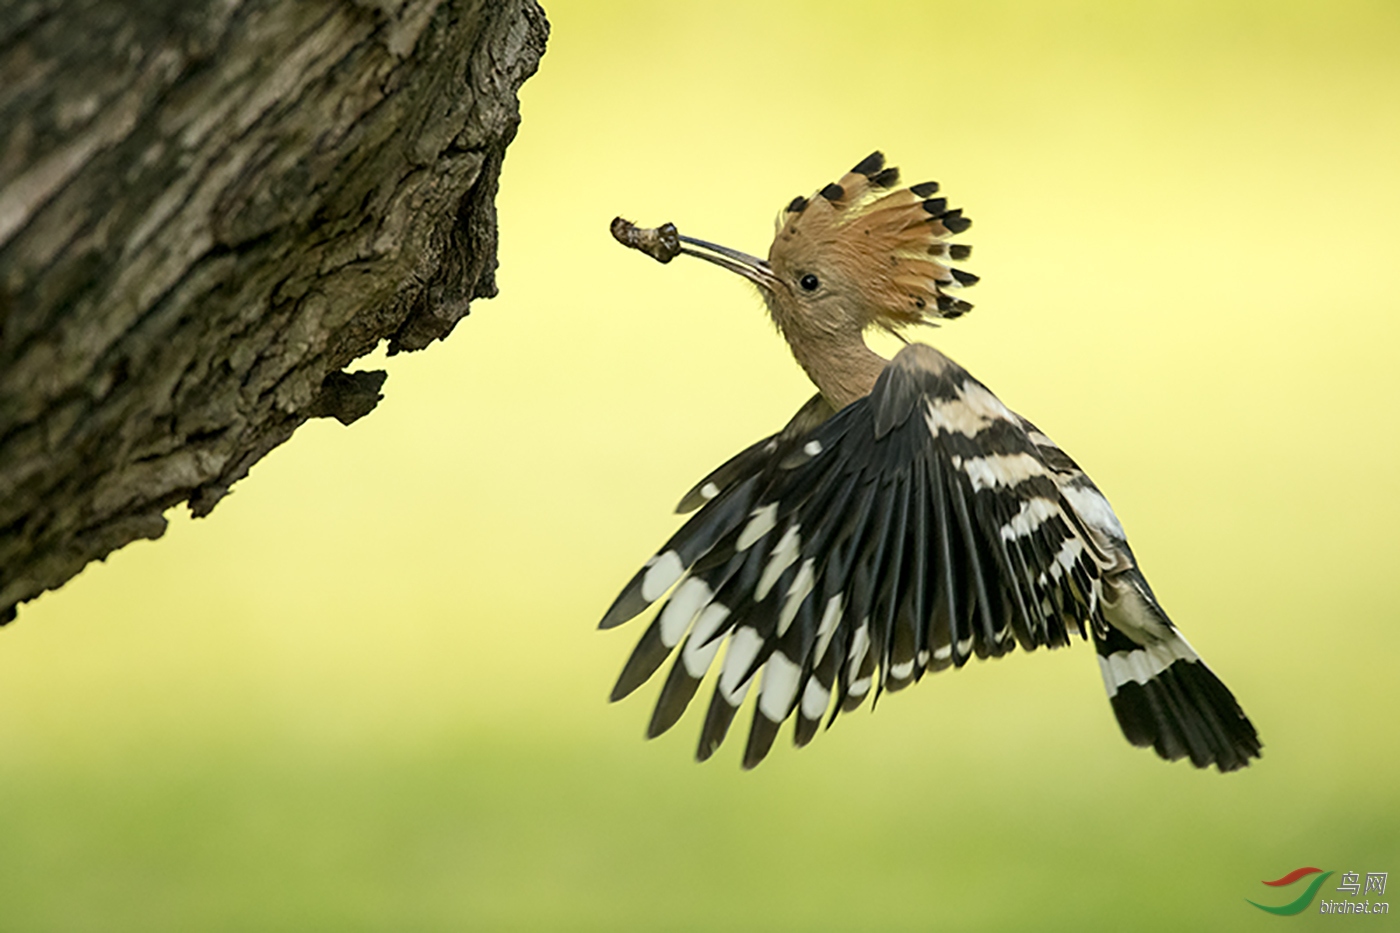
(1163, 694)
(918, 527)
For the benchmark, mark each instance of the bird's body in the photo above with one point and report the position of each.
(905, 520)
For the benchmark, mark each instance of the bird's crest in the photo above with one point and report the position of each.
(888, 243)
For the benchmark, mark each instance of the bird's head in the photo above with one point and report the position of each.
(861, 252)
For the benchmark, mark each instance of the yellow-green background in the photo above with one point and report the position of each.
(367, 693)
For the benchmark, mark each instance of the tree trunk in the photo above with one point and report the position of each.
(208, 209)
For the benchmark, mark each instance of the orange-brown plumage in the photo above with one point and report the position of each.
(875, 245)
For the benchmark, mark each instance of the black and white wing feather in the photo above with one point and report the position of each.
(917, 527)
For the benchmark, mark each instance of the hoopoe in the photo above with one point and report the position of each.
(904, 519)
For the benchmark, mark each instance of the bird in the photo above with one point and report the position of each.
(904, 520)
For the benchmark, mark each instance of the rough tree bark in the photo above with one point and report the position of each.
(208, 209)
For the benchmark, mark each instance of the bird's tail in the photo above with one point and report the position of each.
(1162, 692)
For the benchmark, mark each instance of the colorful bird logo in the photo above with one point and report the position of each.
(1304, 900)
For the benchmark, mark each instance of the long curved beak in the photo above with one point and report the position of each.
(665, 243)
(752, 268)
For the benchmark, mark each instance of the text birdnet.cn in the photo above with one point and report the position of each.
(904, 520)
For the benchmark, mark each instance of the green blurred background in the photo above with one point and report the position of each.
(367, 693)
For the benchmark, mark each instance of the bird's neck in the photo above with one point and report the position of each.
(842, 366)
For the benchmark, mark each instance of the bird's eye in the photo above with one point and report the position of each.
(809, 282)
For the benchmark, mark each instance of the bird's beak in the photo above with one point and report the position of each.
(752, 268)
(664, 243)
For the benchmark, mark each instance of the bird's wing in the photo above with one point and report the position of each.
(917, 527)
(753, 459)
